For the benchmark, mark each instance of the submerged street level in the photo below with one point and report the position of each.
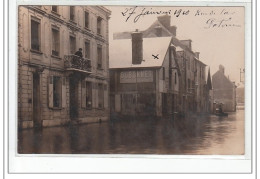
(194, 135)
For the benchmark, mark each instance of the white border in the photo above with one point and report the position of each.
(124, 163)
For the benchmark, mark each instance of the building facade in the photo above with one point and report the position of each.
(224, 91)
(191, 95)
(56, 87)
(143, 80)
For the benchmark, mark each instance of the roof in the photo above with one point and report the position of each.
(121, 52)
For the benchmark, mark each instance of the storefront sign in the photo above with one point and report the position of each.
(139, 76)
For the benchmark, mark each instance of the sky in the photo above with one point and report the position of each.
(216, 32)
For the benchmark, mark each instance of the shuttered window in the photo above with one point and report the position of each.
(72, 45)
(99, 56)
(35, 34)
(86, 19)
(72, 13)
(99, 20)
(88, 95)
(57, 92)
(87, 49)
(55, 42)
(54, 9)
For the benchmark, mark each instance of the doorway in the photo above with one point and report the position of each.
(73, 98)
(164, 104)
(36, 100)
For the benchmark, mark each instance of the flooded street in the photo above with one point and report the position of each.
(194, 135)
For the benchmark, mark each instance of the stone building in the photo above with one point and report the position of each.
(191, 94)
(56, 87)
(224, 91)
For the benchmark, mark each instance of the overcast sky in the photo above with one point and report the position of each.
(222, 43)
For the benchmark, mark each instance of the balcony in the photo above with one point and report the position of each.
(76, 63)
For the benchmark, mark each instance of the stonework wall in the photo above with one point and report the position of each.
(45, 64)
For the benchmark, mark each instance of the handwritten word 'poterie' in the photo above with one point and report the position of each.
(215, 23)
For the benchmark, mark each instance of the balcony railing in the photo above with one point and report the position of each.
(74, 62)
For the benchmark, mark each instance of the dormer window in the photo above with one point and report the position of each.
(72, 13)
(54, 9)
(99, 20)
(86, 19)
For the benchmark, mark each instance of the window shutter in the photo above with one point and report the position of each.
(63, 90)
(83, 94)
(50, 91)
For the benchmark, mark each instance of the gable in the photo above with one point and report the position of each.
(220, 81)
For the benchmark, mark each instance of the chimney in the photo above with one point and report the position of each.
(197, 55)
(222, 69)
(158, 31)
(173, 30)
(187, 43)
(137, 47)
(165, 20)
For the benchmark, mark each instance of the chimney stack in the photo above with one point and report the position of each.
(165, 20)
(173, 30)
(137, 47)
(222, 69)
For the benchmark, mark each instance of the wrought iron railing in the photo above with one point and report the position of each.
(76, 62)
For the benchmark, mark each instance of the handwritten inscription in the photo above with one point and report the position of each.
(137, 13)
(155, 56)
(214, 23)
(218, 18)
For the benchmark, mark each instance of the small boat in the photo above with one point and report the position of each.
(219, 112)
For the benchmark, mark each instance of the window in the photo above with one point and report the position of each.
(175, 78)
(99, 56)
(55, 42)
(188, 64)
(99, 20)
(88, 94)
(72, 45)
(100, 96)
(163, 75)
(72, 13)
(200, 72)
(87, 49)
(57, 84)
(35, 35)
(54, 9)
(86, 19)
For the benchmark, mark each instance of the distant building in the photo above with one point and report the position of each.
(184, 78)
(56, 87)
(209, 94)
(224, 91)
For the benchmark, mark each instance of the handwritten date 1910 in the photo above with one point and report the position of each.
(141, 12)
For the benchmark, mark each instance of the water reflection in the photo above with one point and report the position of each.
(194, 135)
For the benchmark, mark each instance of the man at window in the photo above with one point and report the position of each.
(79, 53)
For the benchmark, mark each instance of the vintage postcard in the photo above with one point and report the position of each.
(167, 80)
(106, 79)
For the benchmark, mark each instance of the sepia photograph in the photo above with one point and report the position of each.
(131, 80)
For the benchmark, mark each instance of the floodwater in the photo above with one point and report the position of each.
(194, 135)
